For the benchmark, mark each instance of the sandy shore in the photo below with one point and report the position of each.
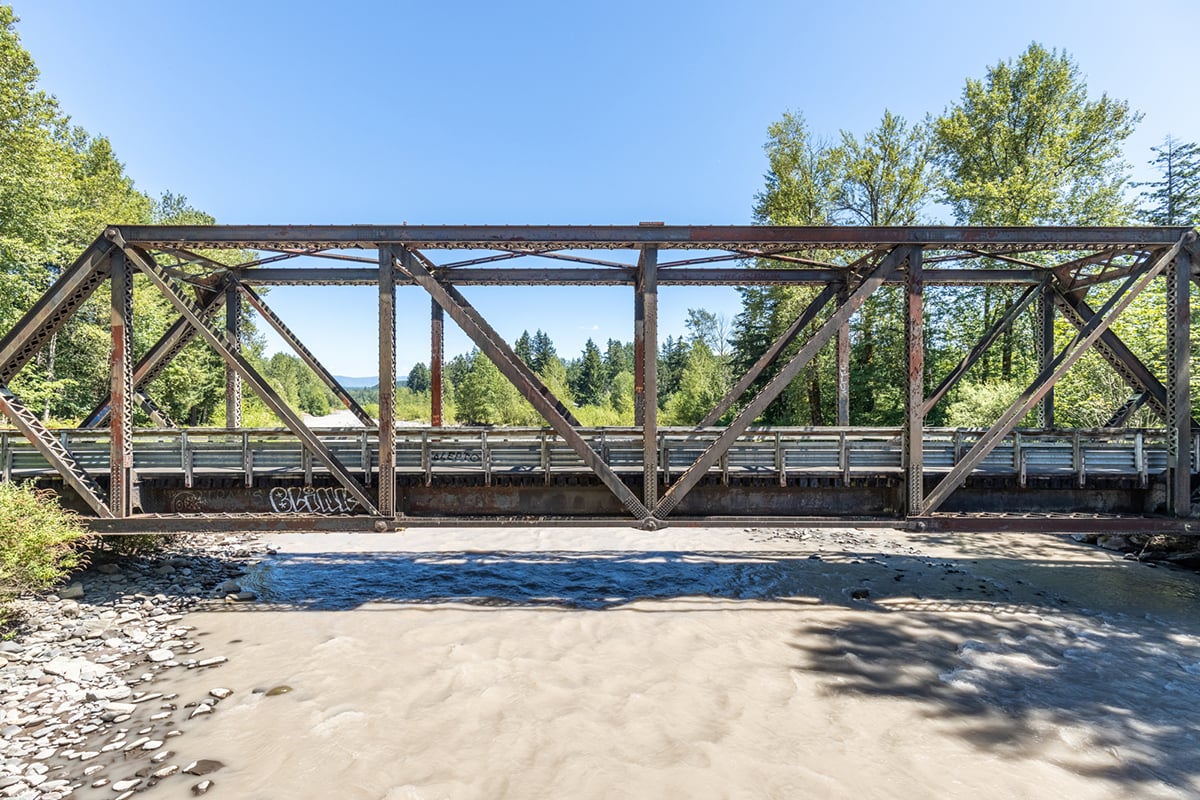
(699, 663)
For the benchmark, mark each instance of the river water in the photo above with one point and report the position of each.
(712, 663)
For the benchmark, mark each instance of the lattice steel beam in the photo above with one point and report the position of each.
(59, 457)
(305, 354)
(688, 480)
(523, 378)
(610, 237)
(53, 309)
(156, 359)
(218, 341)
(1086, 338)
(989, 338)
(806, 317)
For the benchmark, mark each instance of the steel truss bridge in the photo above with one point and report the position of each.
(166, 478)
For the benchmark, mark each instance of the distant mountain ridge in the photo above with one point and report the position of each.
(358, 383)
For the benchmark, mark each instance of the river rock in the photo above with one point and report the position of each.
(204, 766)
(121, 786)
(202, 787)
(160, 655)
(220, 693)
(278, 690)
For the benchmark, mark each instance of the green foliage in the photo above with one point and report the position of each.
(703, 382)
(978, 405)
(40, 542)
(1026, 146)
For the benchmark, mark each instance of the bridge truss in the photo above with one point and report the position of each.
(107, 466)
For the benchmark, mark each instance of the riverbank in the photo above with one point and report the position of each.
(485, 663)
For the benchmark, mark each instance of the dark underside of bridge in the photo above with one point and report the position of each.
(167, 478)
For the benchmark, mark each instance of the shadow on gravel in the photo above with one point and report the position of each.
(1019, 656)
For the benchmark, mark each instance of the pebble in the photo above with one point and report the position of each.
(204, 766)
(81, 666)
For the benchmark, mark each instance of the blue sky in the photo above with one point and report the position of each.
(532, 113)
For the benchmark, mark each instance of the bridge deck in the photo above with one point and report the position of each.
(778, 452)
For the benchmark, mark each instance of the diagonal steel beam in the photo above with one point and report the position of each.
(518, 365)
(987, 340)
(52, 310)
(156, 359)
(1088, 335)
(220, 343)
(770, 354)
(523, 378)
(305, 354)
(54, 452)
(1116, 353)
(688, 480)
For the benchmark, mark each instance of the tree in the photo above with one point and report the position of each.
(1173, 199)
(672, 356)
(710, 328)
(882, 180)
(618, 358)
(542, 352)
(419, 379)
(1026, 146)
(590, 378)
(524, 347)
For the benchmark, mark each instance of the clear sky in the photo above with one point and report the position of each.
(540, 113)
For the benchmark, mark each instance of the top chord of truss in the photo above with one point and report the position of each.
(617, 237)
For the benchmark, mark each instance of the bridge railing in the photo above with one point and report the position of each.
(774, 452)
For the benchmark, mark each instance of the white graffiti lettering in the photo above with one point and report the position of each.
(312, 500)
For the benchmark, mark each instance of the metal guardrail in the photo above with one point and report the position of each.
(769, 452)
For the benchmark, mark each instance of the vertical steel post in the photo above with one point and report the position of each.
(1044, 335)
(1179, 400)
(437, 345)
(121, 377)
(645, 353)
(914, 397)
(843, 364)
(387, 383)
(233, 333)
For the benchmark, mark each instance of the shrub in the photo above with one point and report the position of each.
(40, 541)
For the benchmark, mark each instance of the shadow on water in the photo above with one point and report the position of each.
(1005, 651)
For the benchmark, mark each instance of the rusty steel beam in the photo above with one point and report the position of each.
(1118, 355)
(195, 316)
(1043, 340)
(306, 355)
(53, 450)
(810, 313)
(914, 395)
(1179, 372)
(975, 353)
(677, 276)
(120, 486)
(1050, 375)
(523, 378)
(692, 476)
(842, 357)
(52, 310)
(158, 357)
(518, 237)
(645, 382)
(387, 383)
(437, 354)
(233, 334)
